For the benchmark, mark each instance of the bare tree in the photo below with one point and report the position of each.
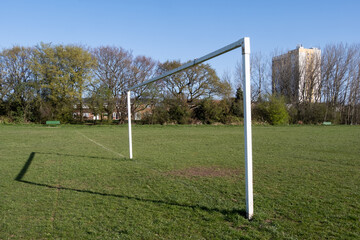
(142, 69)
(261, 82)
(310, 77)
(174, 85)
(3, 83)
(353, 86)
(194, 83)
(113, 72)
(336, 63)
(259, 75)
(226, 78)
(285, 76)
(238, 76)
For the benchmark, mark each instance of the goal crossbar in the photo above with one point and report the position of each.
(245, 44)
(192, 63)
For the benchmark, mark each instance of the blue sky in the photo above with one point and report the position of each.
(181, 30)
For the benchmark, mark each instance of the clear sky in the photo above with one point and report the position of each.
(183, 30)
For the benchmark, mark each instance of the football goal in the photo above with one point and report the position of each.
(244, 43)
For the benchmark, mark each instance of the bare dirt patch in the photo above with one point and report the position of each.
(212, 171)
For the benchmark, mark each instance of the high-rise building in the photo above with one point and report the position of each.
(297, 74)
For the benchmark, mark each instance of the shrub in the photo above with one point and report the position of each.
(237, 108)
(5, 120)
(311, 113)
(179, 112)
(232, 120)
(209, 111)
(293, 114)
(158, 115)
(273, 111)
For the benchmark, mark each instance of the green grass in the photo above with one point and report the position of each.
(185, 182)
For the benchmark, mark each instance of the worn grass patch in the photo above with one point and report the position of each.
(211, 171)
(185, 182)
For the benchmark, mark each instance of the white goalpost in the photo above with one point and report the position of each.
(244, 43)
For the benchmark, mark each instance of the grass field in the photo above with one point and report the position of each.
(76, 182)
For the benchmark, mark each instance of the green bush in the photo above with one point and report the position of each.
(233, 120)
(293, 115)
(5, 120)
(158, 115)
(209, 111)
(311, 113)
(237, 104)
(179, 112)
(273, 110)
(237, 108)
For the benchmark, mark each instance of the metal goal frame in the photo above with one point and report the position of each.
(244, 43)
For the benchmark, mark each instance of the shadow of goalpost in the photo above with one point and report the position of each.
(32, 155)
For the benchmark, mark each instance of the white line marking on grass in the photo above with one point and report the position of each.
(119, 154)
(153, 191)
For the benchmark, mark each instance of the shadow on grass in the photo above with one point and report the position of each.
(84, 156)
(23, 171)
(25, 167)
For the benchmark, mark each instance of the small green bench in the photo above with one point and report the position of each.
(326, 123)
(52, 122)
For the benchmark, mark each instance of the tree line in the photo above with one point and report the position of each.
(330, 90)
(61, 82)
